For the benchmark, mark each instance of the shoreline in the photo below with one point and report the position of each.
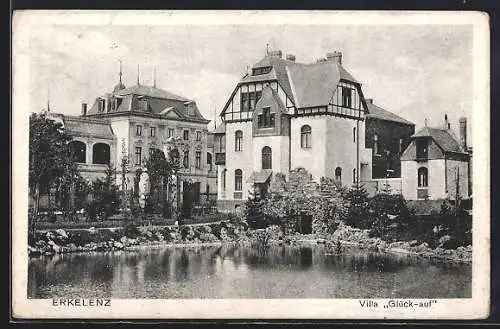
(461, 255)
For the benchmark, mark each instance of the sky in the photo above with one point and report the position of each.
(416, 71)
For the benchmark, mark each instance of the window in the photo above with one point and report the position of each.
(198, 135)
(354, 135)
(100, 153)
(266, 119)
(238, 180)
(267, 158)
(209, 161)
(422, 177)
(338, 174)
(422, 148)
(138, 130)
(118, 102)
(152, 132)
(138, 156)
(185, 161)
(170, 132)
(79, 151)
(249, 99)
(198, 159)
(238, 139)
(143, 105)
(224, 179)
(101, 105)
(305, 136)
(346, 96)
(186, 135)
(354, 176)
(261, 70)
(375, 144)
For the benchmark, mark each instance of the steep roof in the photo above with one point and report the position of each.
(83, 126)
(442, 137)
(149, 99)
(307, 85)
(314, 84)
(271, 98)
(278, 72)
(150, 91)
(377, 112)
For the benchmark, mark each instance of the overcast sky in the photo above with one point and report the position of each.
(414, 71)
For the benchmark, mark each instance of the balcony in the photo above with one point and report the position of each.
(220, 158)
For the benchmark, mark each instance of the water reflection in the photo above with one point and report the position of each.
(233, 272)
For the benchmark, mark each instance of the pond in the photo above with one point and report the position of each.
(238, 272)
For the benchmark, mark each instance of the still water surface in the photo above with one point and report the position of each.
(236, 272)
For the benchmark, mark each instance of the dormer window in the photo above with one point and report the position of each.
(101, 105)
(266, 119)
(261, 70)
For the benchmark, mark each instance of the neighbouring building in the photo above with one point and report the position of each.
(436, 164)
(283, 115)
(94, 143)
(136, 121)
(387, 135)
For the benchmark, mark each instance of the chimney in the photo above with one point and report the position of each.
(446, 123)
(336, 57)
(463, 132)
(369, 100)
(84, 108)
(275, 53)
(290, 57)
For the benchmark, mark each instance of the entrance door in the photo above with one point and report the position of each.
(187, 199)
(305, 224)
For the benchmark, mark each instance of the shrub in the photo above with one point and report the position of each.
(130, 230)
(390, 215)
(216, 229)
(185, 232)
(358, 214)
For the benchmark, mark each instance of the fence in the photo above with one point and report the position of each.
(376, 186)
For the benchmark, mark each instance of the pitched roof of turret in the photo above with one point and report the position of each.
(442, 137)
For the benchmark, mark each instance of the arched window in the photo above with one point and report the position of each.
(238, 180)
(238, 140)
(305, 136)
(422, 177)
(100, 153)
(79, 151)
(338, 174)
(267, 158)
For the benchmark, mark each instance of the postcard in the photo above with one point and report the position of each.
(250, 165)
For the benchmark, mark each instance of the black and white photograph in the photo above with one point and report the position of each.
(250, 164)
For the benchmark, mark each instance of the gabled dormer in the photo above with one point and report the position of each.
(270, 115)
